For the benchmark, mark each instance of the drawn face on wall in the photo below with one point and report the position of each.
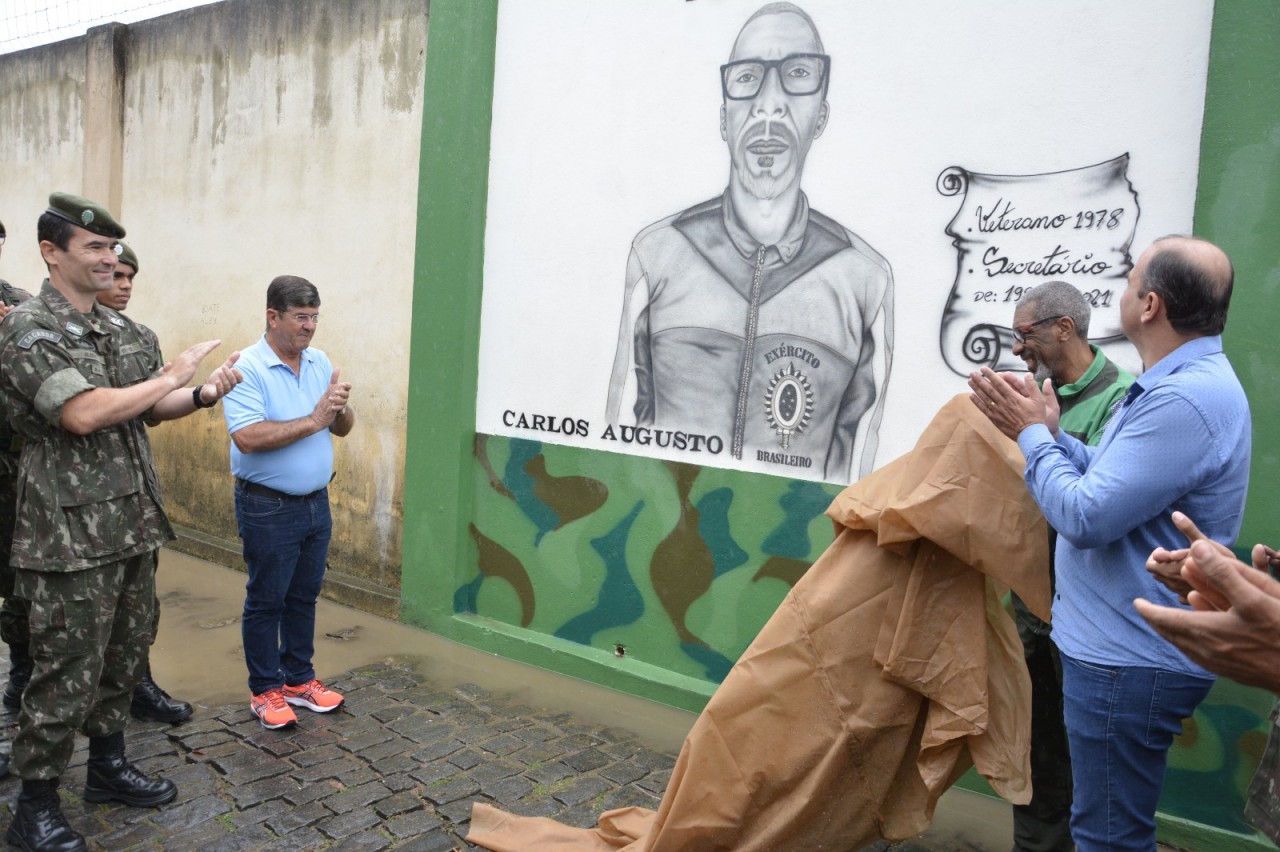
(769, 134)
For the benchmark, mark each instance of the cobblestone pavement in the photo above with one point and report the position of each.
(397, 767)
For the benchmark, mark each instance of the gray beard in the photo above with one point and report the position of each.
(770, 185)
(765, 187)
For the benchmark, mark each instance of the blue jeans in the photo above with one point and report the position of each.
(286, 543)
(1120, 724)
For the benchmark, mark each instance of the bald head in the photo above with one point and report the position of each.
(801, 28)
(1194, 279)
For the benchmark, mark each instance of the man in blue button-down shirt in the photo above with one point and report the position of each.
(1179, 442)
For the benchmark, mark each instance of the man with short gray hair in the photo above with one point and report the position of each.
(1051, 336)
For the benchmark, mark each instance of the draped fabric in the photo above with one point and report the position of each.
(889, 669)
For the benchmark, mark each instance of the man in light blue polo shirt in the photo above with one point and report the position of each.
(281, 419)
(1180, 441)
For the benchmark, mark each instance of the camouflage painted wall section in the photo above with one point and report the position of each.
(576, 544)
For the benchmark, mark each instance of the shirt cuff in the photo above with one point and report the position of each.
(1033, 436)
(57, 389)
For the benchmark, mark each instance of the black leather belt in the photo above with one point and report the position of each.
(263, 491)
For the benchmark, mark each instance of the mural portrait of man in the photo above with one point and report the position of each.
(753, 317)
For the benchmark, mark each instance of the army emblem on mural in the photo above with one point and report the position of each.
(788, 403)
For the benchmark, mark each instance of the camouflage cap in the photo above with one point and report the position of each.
(124, 254)
(84, 213)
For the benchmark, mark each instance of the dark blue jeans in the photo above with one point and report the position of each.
(286, 543)
(1120, 724)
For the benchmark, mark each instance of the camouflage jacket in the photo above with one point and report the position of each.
(9, 448)
(84, 500)
(11, 295)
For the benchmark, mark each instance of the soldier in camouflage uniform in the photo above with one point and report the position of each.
(150, 702)
(89, 518)
(13, 614)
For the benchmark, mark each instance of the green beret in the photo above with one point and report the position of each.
(84, 213)
(124, 254)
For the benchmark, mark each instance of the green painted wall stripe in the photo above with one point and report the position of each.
(1238, 207)
(448, 281)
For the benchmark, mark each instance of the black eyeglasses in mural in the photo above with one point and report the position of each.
(752, 323)
(799, 74)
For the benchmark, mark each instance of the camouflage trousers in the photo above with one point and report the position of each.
(90, 631)
(13, 613)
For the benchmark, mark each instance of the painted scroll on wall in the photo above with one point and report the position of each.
(1013, 232)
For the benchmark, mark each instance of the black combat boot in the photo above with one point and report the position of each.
(20, 667)
(153, 704)
(38, 823)
(110, 777)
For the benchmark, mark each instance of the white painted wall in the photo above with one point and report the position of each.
(606, 119)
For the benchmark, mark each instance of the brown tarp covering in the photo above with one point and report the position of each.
(886, 673)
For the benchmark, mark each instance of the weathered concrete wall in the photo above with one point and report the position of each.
(259, 139)
(41, 145)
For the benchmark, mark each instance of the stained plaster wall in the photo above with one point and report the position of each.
(41, 144)
(259, 139)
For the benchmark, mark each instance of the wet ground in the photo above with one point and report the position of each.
(198, 655)
(429, 727)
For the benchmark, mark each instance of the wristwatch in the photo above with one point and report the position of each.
(195, 397)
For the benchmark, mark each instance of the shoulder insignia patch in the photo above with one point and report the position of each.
(29, 339)
(73, 327)
(116, 321)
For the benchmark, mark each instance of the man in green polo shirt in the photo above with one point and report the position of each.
(1051, 334)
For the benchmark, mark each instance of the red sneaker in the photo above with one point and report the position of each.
(272, 711)
(313, 695)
